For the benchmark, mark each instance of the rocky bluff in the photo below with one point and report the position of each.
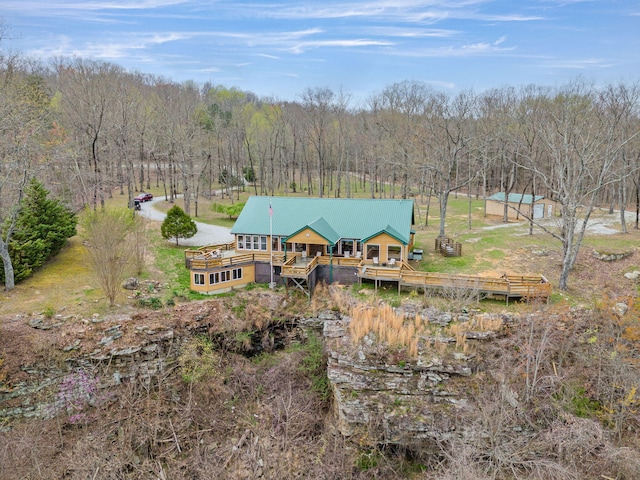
(382, 393)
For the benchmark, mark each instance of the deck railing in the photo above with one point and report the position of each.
(297, 266)
(367, 269)
(210, 263)
(222, 247)
(299, 269)
(213, 256)
(446, 280)
(339, 261)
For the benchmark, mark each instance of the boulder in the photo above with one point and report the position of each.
(632, 275)
(131, 283)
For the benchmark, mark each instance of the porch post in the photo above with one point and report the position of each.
(330, 266)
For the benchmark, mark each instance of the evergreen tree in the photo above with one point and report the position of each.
(42, 228)
(178, 225)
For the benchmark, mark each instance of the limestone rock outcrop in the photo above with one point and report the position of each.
(387, 396)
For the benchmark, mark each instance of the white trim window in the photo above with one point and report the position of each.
(275, 244)
(225, 276)
(373, 251)
(240, 242)
(198, 278)
(394, 252)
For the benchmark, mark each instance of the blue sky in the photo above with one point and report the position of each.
(360, 46)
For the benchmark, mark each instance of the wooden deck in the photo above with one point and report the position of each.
(299, 268)
(224, 255)
(509, 286)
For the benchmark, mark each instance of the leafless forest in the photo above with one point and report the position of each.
(90, 129)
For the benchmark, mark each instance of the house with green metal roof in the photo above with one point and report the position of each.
(517, 206)
(304, 240)
(299, 242)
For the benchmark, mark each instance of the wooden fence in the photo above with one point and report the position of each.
(448, 247)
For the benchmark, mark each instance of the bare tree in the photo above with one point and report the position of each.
(108, 236)
(318, 104)
(578, 140)
(400, 111)
(87, 95)
(450, 132)
(620, 104)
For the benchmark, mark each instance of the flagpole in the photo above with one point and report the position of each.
(271, 284)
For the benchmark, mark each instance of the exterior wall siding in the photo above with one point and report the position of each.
(343, 275)
(497, 208)
(307, 236)
(263, 273)
(248, 276)
(384, 240)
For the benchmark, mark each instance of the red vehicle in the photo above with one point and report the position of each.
(144, 197)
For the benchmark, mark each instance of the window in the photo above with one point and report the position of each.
(263, 243)
(224, 276)
(346, 246)
(240, 242)
(256, 243)
(275, 244)
(198, 278)
(373, 251)
(394, 252)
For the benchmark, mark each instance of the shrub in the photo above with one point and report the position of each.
(315, 364)
(150, 302)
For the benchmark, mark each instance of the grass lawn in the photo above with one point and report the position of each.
(66, 283)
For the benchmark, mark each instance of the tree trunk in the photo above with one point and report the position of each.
(9, 279)
(443, 198)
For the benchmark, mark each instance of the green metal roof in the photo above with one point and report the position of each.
(389, 230)
(344, 217)
(525, 199)
(322, 228)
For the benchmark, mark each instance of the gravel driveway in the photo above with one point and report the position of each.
(207, 234)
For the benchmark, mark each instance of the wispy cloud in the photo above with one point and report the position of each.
(407, 11)
(245, 40)
(462, 50)
(270, 57)
(580, 64)
(63, 46)
(346, 43)
(61, 7)
(410, 32)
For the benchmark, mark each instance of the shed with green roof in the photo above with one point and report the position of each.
(518, 206)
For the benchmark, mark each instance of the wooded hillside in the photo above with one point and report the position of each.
(89, 129)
